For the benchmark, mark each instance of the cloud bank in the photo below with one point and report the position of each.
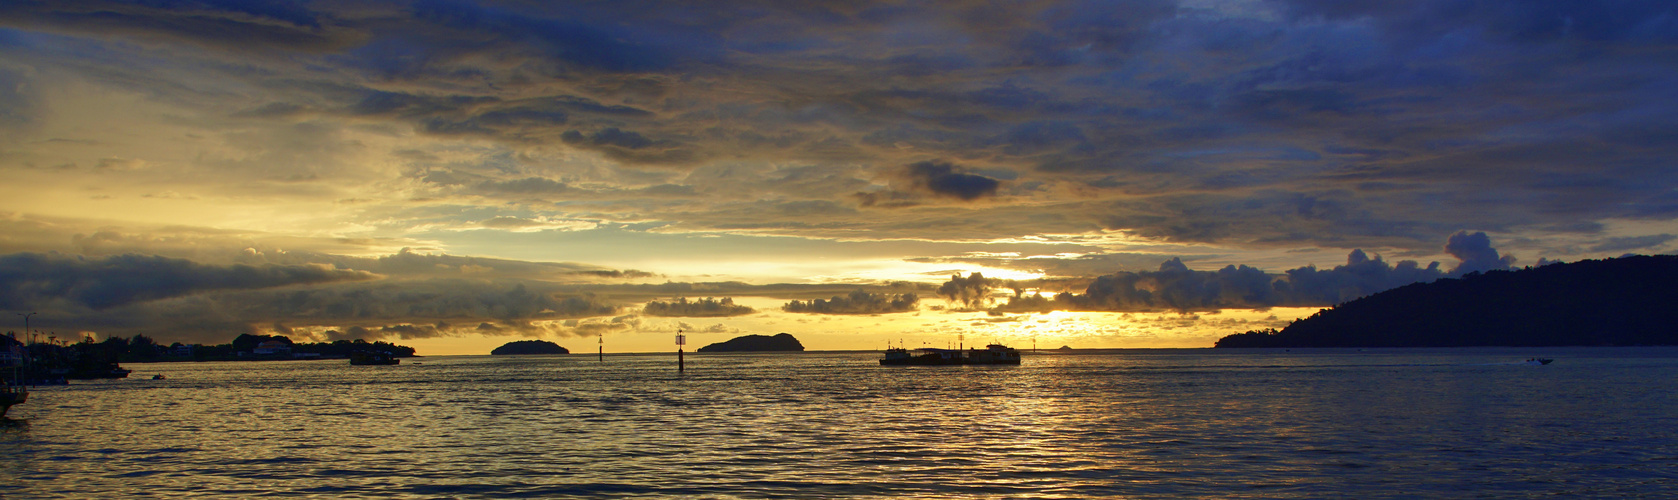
(29, 281)
(706, 307)
(857, 302)
(1174, 286)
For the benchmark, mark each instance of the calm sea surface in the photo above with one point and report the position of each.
(1599, 422)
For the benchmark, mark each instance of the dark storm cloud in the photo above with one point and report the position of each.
(608, 137)
(30, 280)
(706, 307)
(519, 121)
(220, 23)
(857, 302)
(575, 39)
(1643, 21)
(630, 146)
(1232, 124)
(944, 179)
(402, 309)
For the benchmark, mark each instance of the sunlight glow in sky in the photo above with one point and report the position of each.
(458, 174)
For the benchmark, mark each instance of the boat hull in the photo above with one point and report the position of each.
(11, 397)
(991, 355)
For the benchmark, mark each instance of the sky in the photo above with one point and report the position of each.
(455, 175)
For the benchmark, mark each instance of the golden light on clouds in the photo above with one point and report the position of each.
(493, 172)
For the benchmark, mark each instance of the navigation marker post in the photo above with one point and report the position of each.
(681, 340)
(602, 347)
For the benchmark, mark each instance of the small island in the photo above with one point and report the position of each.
(778, 342)
(530, 347)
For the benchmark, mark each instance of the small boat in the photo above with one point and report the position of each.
(157, 377)
(374, 358)
(10, 395)
(994, 354)
(1539, 361)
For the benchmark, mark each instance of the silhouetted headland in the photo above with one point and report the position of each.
(530, 347)
(1624, 301)
(778, 342)
(50, 362)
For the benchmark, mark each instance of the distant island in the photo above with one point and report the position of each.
(779, 342)
(1626, 301)
(530, 347)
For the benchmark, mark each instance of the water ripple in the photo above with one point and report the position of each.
(1166, 424)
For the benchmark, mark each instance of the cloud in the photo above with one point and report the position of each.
(29, 280)
(857, 302)
(1360, 277)
(973, 290)
(410, 296)
(1630, 243)
(17, 100)
(528, 185)
(1152, 129)
(264, 25)
(1174, 286)
(706, 307)
(614, 273)
(943, 179)
(717, 328)
(630, 146)
(1476, 253)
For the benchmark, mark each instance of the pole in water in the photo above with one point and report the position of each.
(681, 340)
(602, 348)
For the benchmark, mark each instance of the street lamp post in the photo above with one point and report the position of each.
(26, 326)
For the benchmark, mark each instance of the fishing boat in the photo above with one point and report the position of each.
(994, 354)
(1539, 361)
(923, 356)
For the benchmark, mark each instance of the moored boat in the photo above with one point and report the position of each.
(994, 354)
(924, 356)
(10, 395)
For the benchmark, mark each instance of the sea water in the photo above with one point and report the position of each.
(1598, 422)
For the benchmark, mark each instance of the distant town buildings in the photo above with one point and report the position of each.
(272, 348)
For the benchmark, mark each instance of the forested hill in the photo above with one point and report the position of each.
(1625, 301)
